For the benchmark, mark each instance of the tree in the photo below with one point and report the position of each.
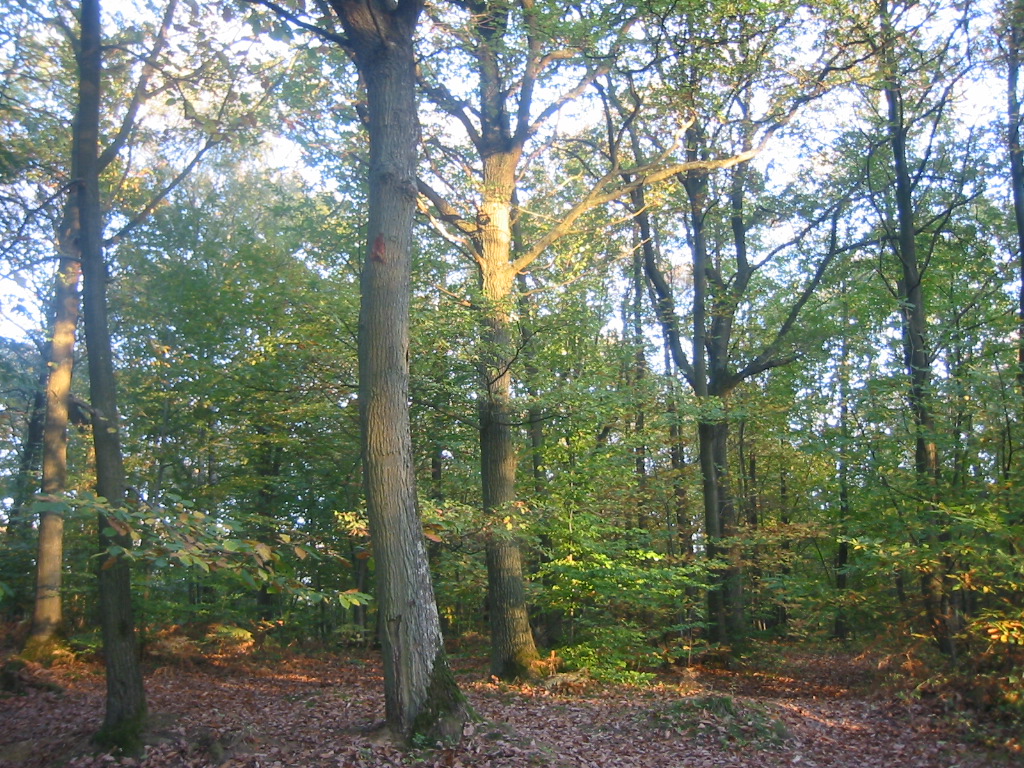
(420, 693)
(1013, 41)
(724, 207)
(126, 701)
(515, 53)
(915, 112)
(147, 60)
(510, 45)
(83, 242)
(422, 696)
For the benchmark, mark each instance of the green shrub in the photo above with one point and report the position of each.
(615, 654)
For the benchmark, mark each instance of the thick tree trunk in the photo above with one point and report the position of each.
(126, 703)
(420, 693)
(710, 361)
(513, 649)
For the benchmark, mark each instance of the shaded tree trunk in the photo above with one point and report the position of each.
(125, 702)
(841, 628)
(28, 481)
(710, 363)
(917, 358)
(1014, 41)
(513, 649)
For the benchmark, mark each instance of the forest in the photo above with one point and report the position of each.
(480, 355)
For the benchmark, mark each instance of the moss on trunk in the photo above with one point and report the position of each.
(445, 709)
(126, 736)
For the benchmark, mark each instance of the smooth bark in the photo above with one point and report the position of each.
(125, 702)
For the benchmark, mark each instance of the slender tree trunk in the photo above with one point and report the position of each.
(420, 693)
(547, 624)
(680, 497)
(28, 480)
(1014, 37)
(126, 703)
(917, 358)
(21, 537)
(841, 628)
(645, 270)
(268, 471)
(639, 372)
(47, 613)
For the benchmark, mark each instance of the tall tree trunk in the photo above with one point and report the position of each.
(634, 321)
(535, 415)
(28, 481)
(841, 628)
(1014, 39)
(513, 650)
(710, 352)
(268, 471)
(910, 296)
(645, 270)
(21, 537)
(47, 615)
(512, 645)
(420, 693)
(126, 702)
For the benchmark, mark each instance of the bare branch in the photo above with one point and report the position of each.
(284, 13)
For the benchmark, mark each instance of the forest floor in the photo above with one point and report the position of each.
(805, 709)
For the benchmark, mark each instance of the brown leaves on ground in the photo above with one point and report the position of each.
(320, 712)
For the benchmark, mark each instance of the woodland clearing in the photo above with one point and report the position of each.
(824, 709)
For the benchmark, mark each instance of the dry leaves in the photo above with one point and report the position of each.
(319, 713)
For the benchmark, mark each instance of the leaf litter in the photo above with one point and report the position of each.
(321, 712)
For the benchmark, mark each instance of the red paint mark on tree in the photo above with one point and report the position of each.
(379, 249)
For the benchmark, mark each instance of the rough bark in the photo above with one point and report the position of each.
(513, 649)
(421, 695)
(711, 349)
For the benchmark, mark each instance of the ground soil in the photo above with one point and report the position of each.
(804, 709)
